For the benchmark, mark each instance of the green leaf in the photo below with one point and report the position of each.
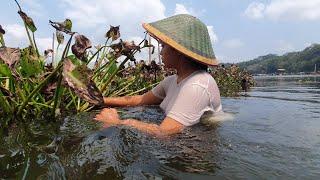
(5, 70)
(64, 26)
(4, 104)
(31, 65)
(68, 24)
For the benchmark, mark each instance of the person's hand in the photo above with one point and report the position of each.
(109, 116)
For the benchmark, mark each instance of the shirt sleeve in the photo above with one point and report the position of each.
(160, 90)
(191, 102)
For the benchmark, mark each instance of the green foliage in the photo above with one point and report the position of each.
(293, 62)
(5, 71)
(30, 64)
(232, 80)
(71, 85)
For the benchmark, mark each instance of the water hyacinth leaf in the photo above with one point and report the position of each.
(67, 24)
(80, 46)
(113, 33)
(78, 78)
(28, 21)
(124, 48)
(117, 49)
(64, 26)
(10, 55)
(5, 70)
(30, 63)
(60, 37)
(128, 46)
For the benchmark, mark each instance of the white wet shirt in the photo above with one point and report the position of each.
(187, 101)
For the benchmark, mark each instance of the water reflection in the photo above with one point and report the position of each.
(124, 152)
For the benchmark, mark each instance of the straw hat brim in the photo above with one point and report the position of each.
(166, 39)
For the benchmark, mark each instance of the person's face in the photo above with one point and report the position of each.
(169, 56)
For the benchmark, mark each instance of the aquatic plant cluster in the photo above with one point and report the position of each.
(34, 84)
(232, 80)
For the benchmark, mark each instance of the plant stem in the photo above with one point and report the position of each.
(95, 54)
(133, 93)
(53, 50)
(116, 71)
(38, 87)
(2, 40)
(29, 37)
(35, 44)
(5, 104)
(57, 94)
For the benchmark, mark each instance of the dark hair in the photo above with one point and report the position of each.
(192, 62)
(196, 64)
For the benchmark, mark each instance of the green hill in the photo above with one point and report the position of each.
(293, 62)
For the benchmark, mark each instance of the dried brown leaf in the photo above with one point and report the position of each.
(28, 20)
(78, 78)
(10, 55)
(80, 46)
(113, 33)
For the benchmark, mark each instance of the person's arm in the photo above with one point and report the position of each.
(145, 99)
(168, 126)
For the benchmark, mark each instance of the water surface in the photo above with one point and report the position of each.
(274, 133)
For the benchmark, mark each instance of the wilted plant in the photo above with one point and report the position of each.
(70, 85)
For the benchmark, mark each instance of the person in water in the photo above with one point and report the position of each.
(184, 97)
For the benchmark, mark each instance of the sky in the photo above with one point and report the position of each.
(240, 30)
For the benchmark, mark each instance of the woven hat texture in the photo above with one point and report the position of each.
(187, 34)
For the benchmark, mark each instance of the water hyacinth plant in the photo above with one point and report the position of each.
(232, 80)
(31, 86)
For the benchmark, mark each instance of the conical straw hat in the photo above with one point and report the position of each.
(186, 34)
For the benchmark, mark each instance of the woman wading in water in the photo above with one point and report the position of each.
(184, 97)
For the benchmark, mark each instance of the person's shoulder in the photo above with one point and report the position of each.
(169, 78)
(202, 79)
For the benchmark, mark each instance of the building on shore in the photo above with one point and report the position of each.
(281, 71)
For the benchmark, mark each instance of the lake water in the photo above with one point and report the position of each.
(274, 133)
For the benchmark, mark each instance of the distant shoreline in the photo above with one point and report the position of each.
(286, 75)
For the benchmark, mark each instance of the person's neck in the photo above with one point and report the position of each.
(184, 70)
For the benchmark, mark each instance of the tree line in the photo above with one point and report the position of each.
(293, 62)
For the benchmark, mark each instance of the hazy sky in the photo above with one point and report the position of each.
(240, 29)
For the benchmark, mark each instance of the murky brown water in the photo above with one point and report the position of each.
(275, 133)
